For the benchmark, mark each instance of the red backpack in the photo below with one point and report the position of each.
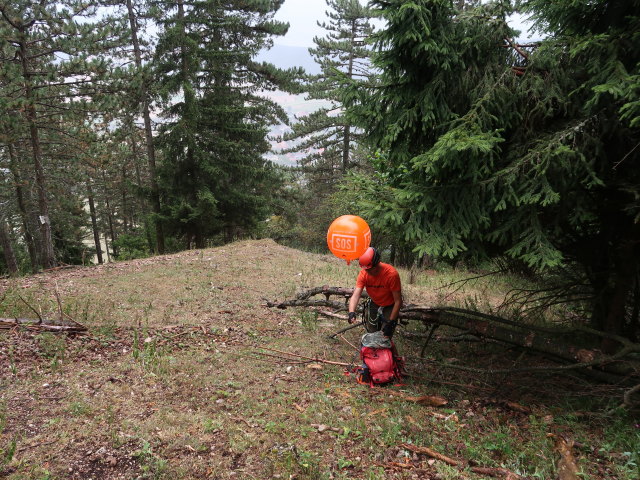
(379, 366)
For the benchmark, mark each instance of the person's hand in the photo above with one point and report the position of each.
(352, 317)
(389, 327)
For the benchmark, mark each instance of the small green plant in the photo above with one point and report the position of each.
(212, 426)
(151, 465)
(345, 463)
(44, 474)
(297, 463)
(309, 320)
(148, 354)
(6, 453)
(623, 435)
(272, 427)
(78, 409)
(51, 346)
(106, 332)
(500, 442)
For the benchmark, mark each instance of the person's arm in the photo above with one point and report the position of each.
(397, 303)
(353, 303)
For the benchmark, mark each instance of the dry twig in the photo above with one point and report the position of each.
(489, 471)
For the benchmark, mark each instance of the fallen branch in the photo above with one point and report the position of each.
(489, 471)
(30, 307)
(424, 400)
(395, 466)
(345, 329)
(327, 292)
(40, 325)
(60, 267)
(553, 343)
(332, 315)
(313, 359)
(351, 344)
(431, 453)
(306, 303)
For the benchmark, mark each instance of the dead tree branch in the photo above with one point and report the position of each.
(490, 472)
(571, 346)
(42, 325)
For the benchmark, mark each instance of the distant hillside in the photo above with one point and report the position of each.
(285, 56)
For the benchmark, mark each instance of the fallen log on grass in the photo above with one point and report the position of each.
(571, 346)
(302, 299)
(42, 325)
(488, 471)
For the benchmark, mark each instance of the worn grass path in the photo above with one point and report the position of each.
(169, 383)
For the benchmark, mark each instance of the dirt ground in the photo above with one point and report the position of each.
(185, 373)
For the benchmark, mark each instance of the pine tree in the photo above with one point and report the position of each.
(52, 65)
(326, 137)
(536, 162)
(214, 178)
(343, 52)
(140, 100)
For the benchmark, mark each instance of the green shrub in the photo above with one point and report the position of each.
(130, 246)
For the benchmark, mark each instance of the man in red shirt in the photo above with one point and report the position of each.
(383, 286)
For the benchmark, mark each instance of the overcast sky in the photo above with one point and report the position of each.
(303, 16)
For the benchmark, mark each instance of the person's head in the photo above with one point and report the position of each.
(370, 260)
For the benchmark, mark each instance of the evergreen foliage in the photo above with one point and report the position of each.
(213, 175)
(53, 63)
(327, 140)
(535, 160)
(343, 52)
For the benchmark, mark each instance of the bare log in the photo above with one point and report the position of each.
(42, 325)
(567, 345)
(327, 292)
(488, 471)
(307, 303)
(559, 345)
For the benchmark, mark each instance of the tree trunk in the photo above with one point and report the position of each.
(125, 209)
(94, 223)
(112, 232)
(48, 254)
(110, 215)
(7, 249)
(26, 229)
(147, 229)
(151, 154)
(346, 143)
(625, 273)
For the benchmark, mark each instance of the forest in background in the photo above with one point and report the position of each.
(454, 142)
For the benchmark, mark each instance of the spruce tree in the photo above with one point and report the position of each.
(343, 52)
(214, 178)
(535, 162)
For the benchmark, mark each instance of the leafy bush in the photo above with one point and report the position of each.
(130, 246)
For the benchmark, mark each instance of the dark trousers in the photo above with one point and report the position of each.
(376, 316)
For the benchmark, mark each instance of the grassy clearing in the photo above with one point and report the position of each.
(169, 385)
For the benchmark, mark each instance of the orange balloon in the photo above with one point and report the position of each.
(348, 237)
